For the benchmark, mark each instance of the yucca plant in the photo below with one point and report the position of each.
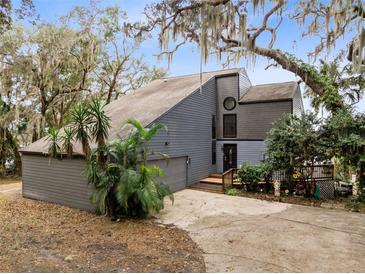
(99, 127)
(80, 125)
(67, 138)
(53, 138)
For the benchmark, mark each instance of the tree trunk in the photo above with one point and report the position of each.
(17, 159)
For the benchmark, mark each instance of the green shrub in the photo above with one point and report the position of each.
(251, 175)
(232, 192)
(125, 184)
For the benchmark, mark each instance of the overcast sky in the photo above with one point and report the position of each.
(187, 60)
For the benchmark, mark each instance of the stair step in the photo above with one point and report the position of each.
(215, 175)
(212, 180)
(207, 187)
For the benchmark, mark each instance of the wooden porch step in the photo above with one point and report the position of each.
(212, 180)
(215, 175)
(207, 187)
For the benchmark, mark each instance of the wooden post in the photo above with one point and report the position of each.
(355, 186)
(277, 188)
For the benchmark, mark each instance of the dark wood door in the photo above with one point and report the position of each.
(229, 156)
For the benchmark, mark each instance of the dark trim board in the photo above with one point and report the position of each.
(264, 102)
(64, 156)
(236, 139)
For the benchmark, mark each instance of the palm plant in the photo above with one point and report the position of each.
(125, 184)
(99, 126)
(140, 193)
(54, 148)
(67, 139)
(144, 136)
(80, 125)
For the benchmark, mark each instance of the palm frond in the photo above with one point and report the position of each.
(53, 138)
(67, 138)
(153, 130)
(137, 125)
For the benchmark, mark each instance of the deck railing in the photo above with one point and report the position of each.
(228, 178)
(317, 172)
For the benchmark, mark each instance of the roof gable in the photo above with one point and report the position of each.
(145, 104)
(270, 92)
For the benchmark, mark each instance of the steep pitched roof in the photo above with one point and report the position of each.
(269, 92)
(145, 104)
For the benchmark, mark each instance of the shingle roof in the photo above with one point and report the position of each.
(145, 104)
(269, 92)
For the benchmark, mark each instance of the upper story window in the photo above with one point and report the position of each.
(229, 125)
(214, 130)
(229, 103)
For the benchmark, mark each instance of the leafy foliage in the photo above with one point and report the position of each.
(233, 30)
(54, 148)
(330, 97)
(99, 126)
(80, 124)
(294, 142)
(67, 139)
(8, 13)
(232, 192)
(144, 136)
(126, 184)
(343, 137)
(251, 175)
(48, 68)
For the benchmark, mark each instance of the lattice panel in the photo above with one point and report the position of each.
(326, 188)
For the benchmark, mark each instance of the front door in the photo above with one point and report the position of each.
(229, 156)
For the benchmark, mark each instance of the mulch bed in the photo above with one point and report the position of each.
(338, 203)
(41, 237)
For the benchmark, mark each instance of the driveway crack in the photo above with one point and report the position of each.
(320, 226)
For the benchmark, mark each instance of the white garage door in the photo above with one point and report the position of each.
(175, 172)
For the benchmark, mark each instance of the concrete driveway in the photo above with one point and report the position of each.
(246, 235)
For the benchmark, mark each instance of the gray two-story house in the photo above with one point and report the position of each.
(215, 121)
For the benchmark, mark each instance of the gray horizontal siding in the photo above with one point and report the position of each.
(57, 181)
(298, 107)
(247, 151)
(255, 120)
(63, 181)
(244, 82)
(175, 172)
(226, 87)
(190, 132)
